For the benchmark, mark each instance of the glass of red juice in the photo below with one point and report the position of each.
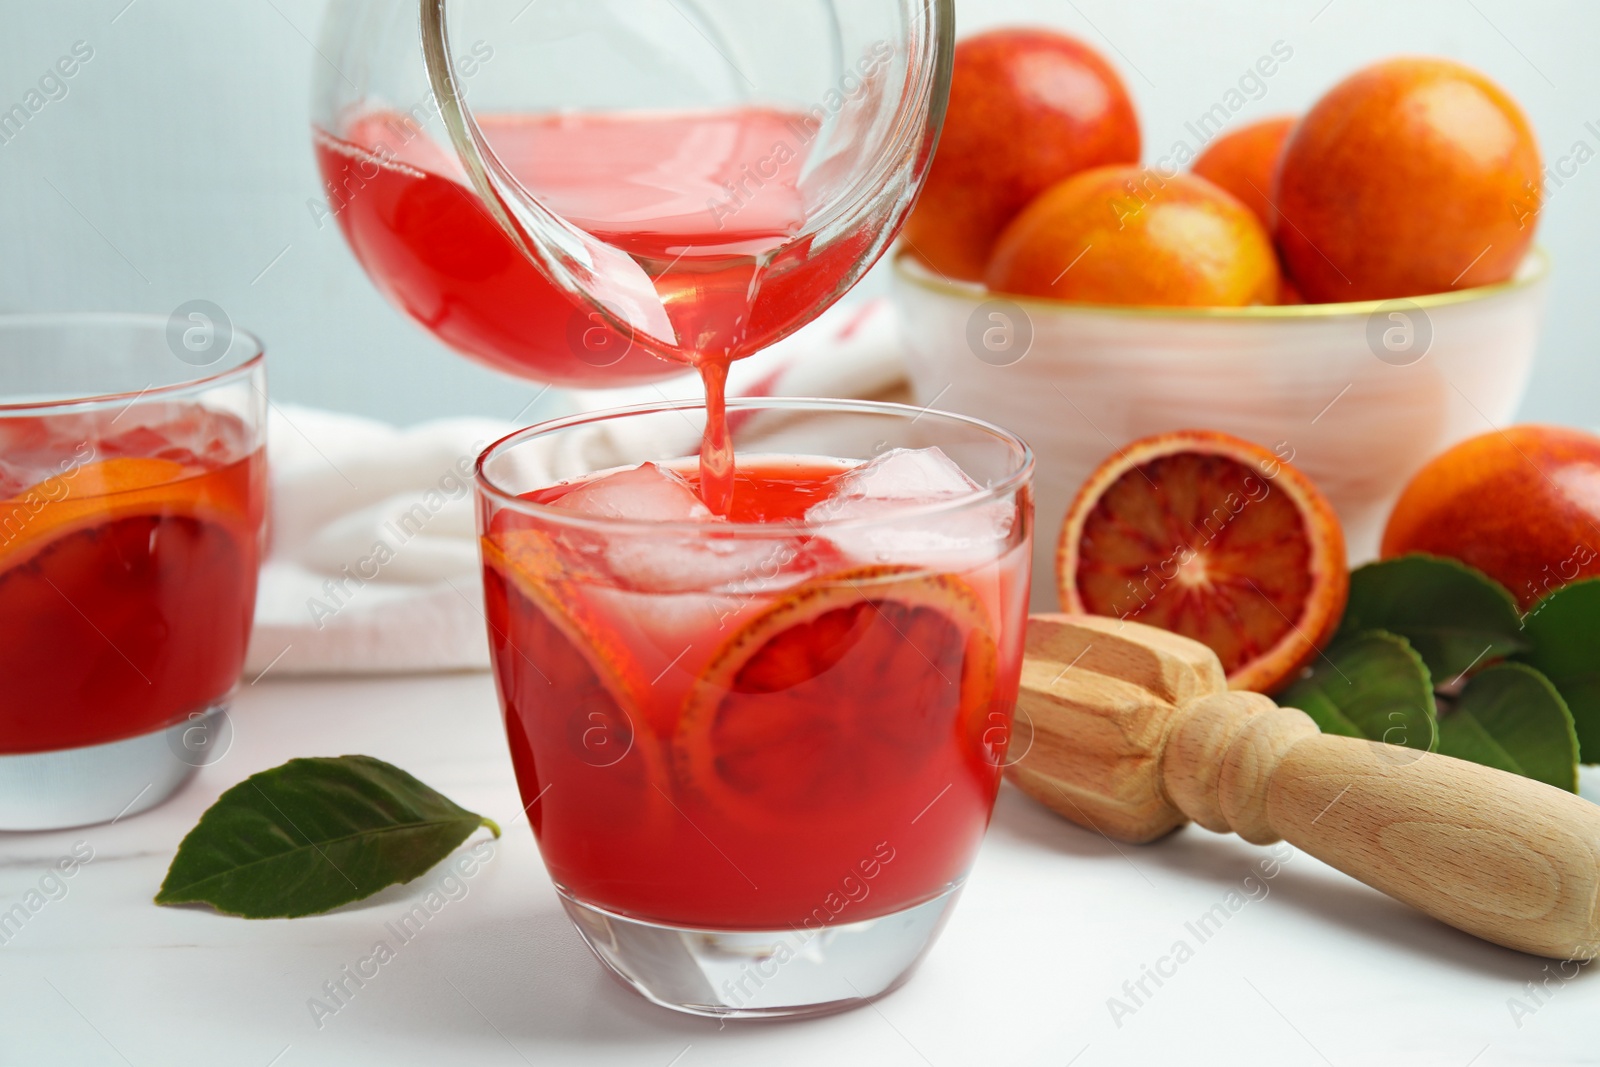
(132, 495)
(758, 751)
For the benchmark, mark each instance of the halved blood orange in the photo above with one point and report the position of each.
(1215, 538)
(841, 691)
(570, 694)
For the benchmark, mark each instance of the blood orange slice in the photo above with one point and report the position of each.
(1215, 538)
(98, 494)
(567, 673)
(840, 692)
(570, 693)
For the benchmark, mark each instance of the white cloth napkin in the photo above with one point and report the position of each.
(373, 558)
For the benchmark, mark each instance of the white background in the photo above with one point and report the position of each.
(179, 167)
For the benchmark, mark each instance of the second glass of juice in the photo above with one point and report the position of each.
(758, 751)
(132, 508)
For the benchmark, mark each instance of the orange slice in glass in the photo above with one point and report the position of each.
(841, 691)
(97, 494)
(1215, 538)
(571, 695)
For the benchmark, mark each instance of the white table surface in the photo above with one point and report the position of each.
(1055, 919)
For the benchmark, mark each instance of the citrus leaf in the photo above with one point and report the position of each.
(1563, 631)
(1512, 718)
(312, 835)
(1454, 616)
(1371, 685)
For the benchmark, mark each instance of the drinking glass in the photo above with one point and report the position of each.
(597, 192)
(758, 757)
(132, 490)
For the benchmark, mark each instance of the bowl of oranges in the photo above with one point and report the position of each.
(1355, 288)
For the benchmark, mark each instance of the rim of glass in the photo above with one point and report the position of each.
(1534, 269)
(135, 320)
(1020, 474)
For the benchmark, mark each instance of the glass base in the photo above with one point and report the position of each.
(766, 973)
(101, 783)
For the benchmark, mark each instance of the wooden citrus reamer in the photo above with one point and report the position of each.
(1135, 733)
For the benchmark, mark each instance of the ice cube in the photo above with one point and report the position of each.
(14, 478)
(660, 561)
(183, 433)
(904, 478)
(893, 480)
(36, 456)
(712, 562)
(646, 493)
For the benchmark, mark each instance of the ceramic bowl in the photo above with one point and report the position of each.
(1357, 395)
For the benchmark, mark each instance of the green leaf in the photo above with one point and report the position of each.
(1371, 685)
(312, 835)
(1512, 718)
(1455, 617)
(1563, 631)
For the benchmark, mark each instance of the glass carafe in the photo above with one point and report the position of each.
(600, 192)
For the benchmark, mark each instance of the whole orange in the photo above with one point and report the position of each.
(1245, 163)
(1412, 176)
(1028, 108)
(1522, 505)
(1121, 235)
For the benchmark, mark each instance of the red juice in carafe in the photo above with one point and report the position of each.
(708, 204)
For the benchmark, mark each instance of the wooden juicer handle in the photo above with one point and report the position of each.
(1134, 732)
